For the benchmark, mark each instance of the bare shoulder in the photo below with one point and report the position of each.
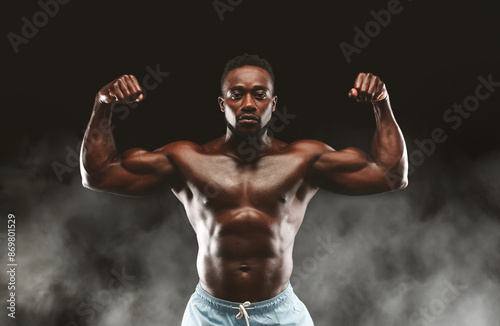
(311, 147)
(178, 147)
(317, 148)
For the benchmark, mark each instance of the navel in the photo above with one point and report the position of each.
(244, 268)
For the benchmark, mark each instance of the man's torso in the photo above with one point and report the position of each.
(245, 214)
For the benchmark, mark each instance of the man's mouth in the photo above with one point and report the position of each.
(248, 118)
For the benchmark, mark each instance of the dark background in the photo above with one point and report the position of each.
(70, 239)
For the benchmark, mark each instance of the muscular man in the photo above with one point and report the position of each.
(245, 209)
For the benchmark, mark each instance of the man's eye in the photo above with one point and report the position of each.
(235, 95)
(261, 95)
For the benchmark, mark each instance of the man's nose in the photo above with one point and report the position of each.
(249, 104)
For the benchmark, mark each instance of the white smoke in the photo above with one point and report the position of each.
(428, 255)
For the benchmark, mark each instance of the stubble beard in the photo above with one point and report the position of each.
(247, 136)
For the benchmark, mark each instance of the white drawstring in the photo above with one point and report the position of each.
(243, 311)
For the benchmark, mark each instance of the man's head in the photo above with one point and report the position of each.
(248, 99)
(247, 60)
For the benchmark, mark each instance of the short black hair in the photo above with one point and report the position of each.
(247, 60)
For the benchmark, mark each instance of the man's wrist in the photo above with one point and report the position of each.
(100, 102)
(382, 101)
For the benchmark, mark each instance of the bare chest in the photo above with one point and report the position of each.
(220, 181)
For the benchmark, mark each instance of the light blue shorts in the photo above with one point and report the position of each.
(286, 308)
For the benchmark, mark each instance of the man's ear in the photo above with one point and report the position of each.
(221, 103)
(275, 100)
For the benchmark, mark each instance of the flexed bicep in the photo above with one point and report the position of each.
(135, 172)
(349, 171)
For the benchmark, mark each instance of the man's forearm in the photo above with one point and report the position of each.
(388, 145)
(98, 147)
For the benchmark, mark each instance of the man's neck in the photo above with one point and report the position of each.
(247, 146)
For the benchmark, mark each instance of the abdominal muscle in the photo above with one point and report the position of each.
(245, 255)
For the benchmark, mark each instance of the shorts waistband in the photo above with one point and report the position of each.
(228, 306)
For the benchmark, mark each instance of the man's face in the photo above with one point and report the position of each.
(247, 99)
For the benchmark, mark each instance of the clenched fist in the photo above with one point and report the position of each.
(123, 90)
(368, 88)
